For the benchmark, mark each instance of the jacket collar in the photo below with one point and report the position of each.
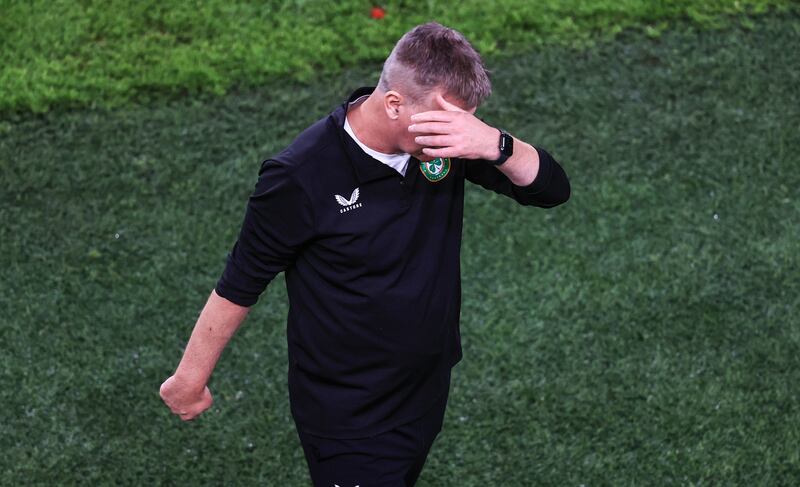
(366, 167)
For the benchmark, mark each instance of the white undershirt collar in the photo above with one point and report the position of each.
(397, 161)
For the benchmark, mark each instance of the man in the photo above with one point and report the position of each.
(363, 212)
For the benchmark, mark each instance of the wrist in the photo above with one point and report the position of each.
(492, 146)
(190, 381)
(503, 150)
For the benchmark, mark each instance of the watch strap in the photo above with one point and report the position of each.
(505, 145)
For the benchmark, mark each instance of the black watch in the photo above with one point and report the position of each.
(506, 148)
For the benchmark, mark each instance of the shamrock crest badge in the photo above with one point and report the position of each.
(436, 169)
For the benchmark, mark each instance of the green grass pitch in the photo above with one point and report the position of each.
(645, 333)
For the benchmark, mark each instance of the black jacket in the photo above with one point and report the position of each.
(372, 267)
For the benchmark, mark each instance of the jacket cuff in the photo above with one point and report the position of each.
(542, 180)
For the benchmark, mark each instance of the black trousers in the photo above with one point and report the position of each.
(390, 459)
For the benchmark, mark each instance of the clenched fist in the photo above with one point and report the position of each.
(183, 399)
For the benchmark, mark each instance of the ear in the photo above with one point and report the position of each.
(391, 104)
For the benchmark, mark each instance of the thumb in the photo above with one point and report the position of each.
(207, 397)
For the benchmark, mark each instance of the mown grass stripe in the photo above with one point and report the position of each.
(69, 53)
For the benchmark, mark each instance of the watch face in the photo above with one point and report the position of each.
(506, 144)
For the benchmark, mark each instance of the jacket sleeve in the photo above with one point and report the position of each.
(550, 187)
(278, 222)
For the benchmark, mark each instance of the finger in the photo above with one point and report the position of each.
(435, 140)
(193, 414)
(187, 416)
(208, 397)
(440, 152)
(433, 116)
(447, 105)
(431, 128)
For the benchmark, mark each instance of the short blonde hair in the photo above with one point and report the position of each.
(434, 56)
